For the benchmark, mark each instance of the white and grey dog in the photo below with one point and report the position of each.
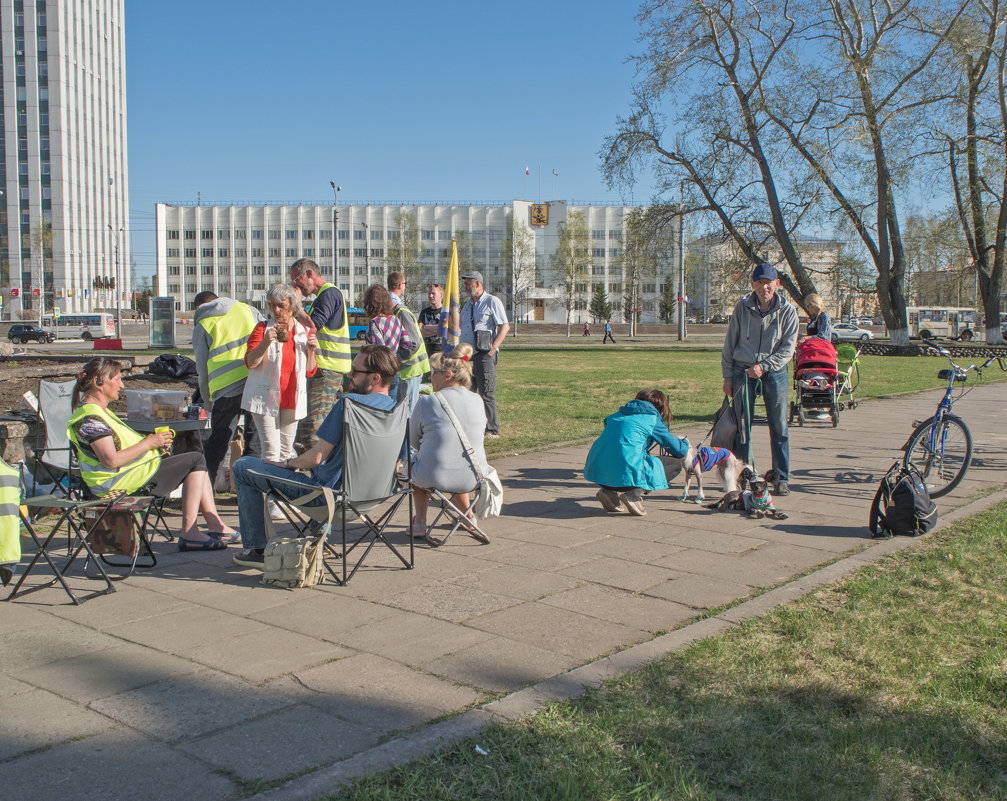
(701, 460)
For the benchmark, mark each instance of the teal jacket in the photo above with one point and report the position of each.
(619, 456)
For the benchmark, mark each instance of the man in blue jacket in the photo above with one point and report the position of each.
(760, 342)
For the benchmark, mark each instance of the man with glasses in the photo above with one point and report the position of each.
(327, 314)
(370, 377)
(484, 326)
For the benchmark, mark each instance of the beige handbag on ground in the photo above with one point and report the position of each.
(294, 561)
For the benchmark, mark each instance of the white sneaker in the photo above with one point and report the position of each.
(633, 504)
(275, 513)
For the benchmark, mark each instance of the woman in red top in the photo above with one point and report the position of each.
(280, 354)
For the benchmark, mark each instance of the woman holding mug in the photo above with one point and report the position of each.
(113, 456)
(279, 357)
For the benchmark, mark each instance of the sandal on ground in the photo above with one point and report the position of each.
(417, 529)
(227, 539)
(200, 545)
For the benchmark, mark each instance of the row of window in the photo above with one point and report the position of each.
(493, 234)
(614, 233)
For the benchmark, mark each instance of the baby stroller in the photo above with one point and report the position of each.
(816, 381)
(848, 362)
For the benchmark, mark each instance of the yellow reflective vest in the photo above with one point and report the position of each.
(334, 343)
(10, 523)
(128, 478)
(417, 363)
(229, 340)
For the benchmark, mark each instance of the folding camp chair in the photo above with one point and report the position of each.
(53, 454)
(455, 516)
(372, 441)
(70, 511)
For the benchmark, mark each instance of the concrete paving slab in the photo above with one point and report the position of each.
(20, 616)
(412, 639)
(181, 632)
(95, 769)
(701, 592)
(540, 557)
(122, 607)
(559, 630)
(619, 573)
(632, 549)
(281, 744)
(638, 611)
(377, 693)
(39, 719)
(98, 674)
(325, 615)
(452, 602)
(10, 686)
(188, 706)
(516, 582)
(499, 665)
(53, 641)
(258, 658)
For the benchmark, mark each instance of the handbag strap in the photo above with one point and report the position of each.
(469, 452)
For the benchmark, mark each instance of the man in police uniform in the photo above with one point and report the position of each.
(220, 330)
(484, 326)
(327, 314)
(412, 369)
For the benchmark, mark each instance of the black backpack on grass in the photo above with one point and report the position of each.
(902, 504)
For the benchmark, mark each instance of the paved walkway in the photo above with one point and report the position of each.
(194, 681)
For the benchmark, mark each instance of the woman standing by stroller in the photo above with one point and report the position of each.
(618, 459)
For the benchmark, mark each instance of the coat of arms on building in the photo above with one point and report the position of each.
(540, 214)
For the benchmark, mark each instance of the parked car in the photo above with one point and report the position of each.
(848, 332)
(29, 332)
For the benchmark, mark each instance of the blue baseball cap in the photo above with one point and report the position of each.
(764, 270)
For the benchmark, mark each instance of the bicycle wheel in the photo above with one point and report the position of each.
(941, 453)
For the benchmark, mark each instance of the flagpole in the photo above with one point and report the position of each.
(539, 183)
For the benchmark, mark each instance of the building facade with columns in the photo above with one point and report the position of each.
(239, 251)
(63, 170)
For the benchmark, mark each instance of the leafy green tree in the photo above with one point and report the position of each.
(600, 308)
(669, 301)
(571, 262)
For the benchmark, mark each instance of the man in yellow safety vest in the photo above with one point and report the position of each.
(327, 314)
(219, 335)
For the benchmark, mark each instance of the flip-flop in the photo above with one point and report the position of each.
(227, 539)
(200, 545)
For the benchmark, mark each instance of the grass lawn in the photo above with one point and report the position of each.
(547, 395)
(890, 684)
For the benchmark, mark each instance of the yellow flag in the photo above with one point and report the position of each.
(449, 327)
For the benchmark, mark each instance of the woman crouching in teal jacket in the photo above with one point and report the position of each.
(619, 461)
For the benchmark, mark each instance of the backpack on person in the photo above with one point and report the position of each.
(902, 505)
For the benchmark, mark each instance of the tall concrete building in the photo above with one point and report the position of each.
(240, 251)
(63, 157)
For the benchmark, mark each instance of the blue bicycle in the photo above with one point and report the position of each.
(941, 447)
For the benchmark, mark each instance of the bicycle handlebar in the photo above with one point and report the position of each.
(964, 370)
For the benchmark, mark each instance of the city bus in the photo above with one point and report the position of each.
(358, 321)
(954, 322)
(88, 326)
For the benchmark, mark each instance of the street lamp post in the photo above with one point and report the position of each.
(118, 284)
(335, 231)
(681, 262)
(367, 249)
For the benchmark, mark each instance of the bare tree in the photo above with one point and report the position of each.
(811, 115)
(403, 252)
(517, 252)
(979, 43)
(571, 262)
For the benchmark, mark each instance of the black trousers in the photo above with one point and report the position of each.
(223, 420)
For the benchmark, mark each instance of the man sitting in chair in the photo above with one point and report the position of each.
(370, 377)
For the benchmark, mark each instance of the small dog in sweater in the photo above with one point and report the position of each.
(701, 460)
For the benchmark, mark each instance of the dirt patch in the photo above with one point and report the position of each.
(22, 375)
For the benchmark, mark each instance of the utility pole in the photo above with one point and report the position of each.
(118, 284)
(367, 249)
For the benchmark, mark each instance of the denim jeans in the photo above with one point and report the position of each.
(774, 394)
(408, 388)
(251, 491)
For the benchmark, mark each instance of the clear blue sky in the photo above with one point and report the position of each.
(395, 101)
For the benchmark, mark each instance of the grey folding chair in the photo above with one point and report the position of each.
(455, 516)
(372, 441)
(52, 445)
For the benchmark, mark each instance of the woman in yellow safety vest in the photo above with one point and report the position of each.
(112, 456)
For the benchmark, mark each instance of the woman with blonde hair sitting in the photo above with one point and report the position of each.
(439, 461)
(114, 457)
(819, 324)
(280, 357)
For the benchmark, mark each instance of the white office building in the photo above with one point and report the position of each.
(239, 251)
(63, 157)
